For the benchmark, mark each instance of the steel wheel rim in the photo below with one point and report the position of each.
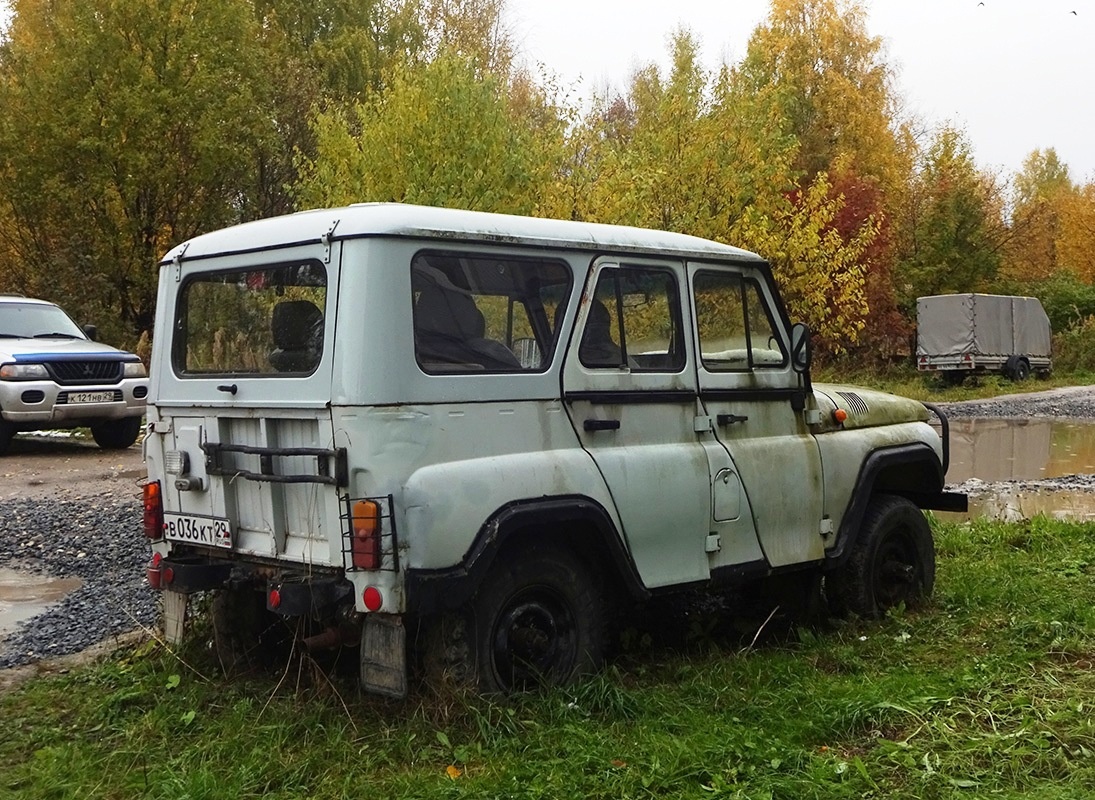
(897, 572)
(535, 639)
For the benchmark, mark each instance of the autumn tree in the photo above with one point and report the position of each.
(128, 125)
(955, 230)
(1042, 187)
(443, 133)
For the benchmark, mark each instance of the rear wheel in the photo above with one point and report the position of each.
(538, 619)
(892, 562)
(116, 434)
(245, 634)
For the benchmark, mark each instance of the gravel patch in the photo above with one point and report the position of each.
(96, 539)
(1074, 402)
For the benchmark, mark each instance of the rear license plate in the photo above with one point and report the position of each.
(214, 531)
(90, 397)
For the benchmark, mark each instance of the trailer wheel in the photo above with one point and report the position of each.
(892, 561)
(1017, 368)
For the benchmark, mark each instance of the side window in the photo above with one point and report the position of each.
(256, 322)
(735, 327)
(482, 312)
(634, 322)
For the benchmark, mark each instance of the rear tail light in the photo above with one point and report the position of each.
(153, 510)
(365, 541)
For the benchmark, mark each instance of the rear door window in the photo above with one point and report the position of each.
(482, 312)
(264, 321)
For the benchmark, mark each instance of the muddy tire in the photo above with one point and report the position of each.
(116, 434)
(537, 620)
(245, 634)
(892, 562)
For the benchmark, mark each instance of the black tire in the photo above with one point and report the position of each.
(116, 434)
(7, 431)
(1017, 368)
(537, 620)
(245, 634)
(892, 562)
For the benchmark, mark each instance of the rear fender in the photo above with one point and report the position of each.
(579, 522)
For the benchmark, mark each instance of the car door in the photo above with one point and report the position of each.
(755, 400)
(630, 389)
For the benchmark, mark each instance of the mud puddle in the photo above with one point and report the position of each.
(25, 594)
(1009, 467)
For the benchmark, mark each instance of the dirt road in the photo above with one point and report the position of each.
(40, 467)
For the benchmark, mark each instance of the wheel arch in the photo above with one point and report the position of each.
(912, 471)
(576, 522)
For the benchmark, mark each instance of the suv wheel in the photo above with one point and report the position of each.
(7, 431)
(116, 434)
(245, 633)
(892, 562)
(537, 620)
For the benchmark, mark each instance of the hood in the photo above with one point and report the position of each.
(58, 349)
(866, 408)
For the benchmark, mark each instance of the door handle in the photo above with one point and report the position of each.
(594, 425)
(730, 419)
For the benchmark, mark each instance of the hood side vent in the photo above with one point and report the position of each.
(854, 401)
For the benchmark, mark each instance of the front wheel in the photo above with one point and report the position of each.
(116, 434)
(7, 431)
(892, 562)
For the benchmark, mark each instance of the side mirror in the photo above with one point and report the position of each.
(91, 332)
(801, 349)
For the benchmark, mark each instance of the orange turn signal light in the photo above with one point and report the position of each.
(839, 416)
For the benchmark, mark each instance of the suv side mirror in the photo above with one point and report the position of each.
(801, 349)
(91, 332)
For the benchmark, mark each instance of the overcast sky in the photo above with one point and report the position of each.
(1015, 74)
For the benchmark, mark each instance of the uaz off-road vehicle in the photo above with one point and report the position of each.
(488, 429)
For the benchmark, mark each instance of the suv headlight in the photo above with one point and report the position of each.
(134, 369)
(23, 372)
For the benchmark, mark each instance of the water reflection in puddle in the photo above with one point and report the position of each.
(24, 594)
(994, 450)
(1020, 449)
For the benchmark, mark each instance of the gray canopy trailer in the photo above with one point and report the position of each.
(962, 334)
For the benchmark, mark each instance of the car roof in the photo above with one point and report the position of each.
(453, 225)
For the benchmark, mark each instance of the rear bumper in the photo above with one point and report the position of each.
(287, 593)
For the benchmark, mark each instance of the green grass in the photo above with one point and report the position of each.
(987, 692)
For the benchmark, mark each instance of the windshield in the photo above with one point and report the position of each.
(29, 320)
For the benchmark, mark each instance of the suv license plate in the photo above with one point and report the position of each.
(214, 531)
(90, 397)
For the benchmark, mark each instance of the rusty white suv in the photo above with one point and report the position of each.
(489, 430)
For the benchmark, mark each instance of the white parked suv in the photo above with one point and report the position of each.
(52, 375)
(490, 430)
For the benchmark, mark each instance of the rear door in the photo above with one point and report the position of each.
(241, 426)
